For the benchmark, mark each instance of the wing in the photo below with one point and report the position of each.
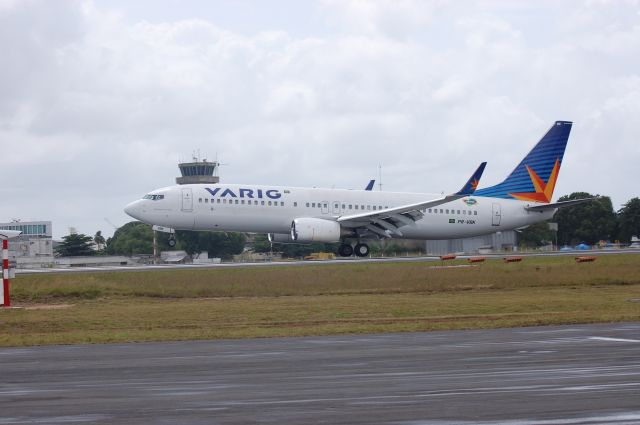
(388, 221)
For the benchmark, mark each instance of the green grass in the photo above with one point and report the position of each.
(318, 300)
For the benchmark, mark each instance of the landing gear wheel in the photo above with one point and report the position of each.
(171, 242)
(361, 249)
(345, 250)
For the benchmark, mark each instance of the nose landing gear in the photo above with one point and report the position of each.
(360, 249)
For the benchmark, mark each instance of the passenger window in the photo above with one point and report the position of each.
(458, 212)
(295, 204)
(475, 213)
(307, 205)
(313, 205)
(464, 212)
(335, 206)
(224, 201)
(218, 200)
(447, 211)
(356, 207)
(242, 202)
(441, 211)
(269, 203)
(374, 207)
(282, 204)
(343, 207)
(237, 202)
(361, 207)
(200, 200)
(368, 207)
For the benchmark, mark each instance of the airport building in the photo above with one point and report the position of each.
(504, 241)
(34, 247)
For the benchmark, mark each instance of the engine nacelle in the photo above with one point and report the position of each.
(307, 230)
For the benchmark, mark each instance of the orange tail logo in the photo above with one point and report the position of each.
(543, 191)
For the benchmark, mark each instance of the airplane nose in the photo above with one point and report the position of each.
(134, 209)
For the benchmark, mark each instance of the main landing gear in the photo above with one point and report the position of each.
(360, 249)
(172, 241)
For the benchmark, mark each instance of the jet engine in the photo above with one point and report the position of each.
(307, 230)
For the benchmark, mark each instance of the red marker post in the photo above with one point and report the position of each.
(4, 293)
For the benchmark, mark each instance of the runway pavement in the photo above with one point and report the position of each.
(351, 260)
(584, 374)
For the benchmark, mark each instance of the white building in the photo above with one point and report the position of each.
(34, 247)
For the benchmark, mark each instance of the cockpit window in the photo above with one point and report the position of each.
(153, 197)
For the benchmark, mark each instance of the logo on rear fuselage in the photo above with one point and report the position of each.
(470, 201)
(244, 193)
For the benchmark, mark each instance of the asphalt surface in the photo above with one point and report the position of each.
(351, 260)
(584, 374)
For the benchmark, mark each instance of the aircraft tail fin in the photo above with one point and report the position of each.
(534, 179)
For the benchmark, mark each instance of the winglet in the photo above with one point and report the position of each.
(472, 183)
(370, 185)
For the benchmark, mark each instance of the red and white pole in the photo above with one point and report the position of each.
(4, 292)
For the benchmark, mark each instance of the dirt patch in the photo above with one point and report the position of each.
(47, 306)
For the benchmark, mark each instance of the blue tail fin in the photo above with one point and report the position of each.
(535, 177)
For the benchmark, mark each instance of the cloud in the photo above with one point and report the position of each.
(97, 104)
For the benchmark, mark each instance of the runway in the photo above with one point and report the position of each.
(582, 374)
(350, 260)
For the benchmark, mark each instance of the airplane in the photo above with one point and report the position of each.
(307, 215)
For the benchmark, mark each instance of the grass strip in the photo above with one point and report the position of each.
(317, 300)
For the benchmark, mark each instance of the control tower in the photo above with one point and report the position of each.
(198, 172)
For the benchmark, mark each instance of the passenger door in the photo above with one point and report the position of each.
(496, 215)
(187, 199)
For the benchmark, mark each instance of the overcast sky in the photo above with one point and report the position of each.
(100, 99)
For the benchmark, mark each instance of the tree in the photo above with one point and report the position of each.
(589, 222)
(261, 244)
(629, 220)
(99, 240)
(75, 245)
(134, 238)
(536, 235)
(217, 244)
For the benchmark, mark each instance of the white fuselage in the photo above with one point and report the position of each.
(267, 209)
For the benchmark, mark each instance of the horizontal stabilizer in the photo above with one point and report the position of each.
(561, 204)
